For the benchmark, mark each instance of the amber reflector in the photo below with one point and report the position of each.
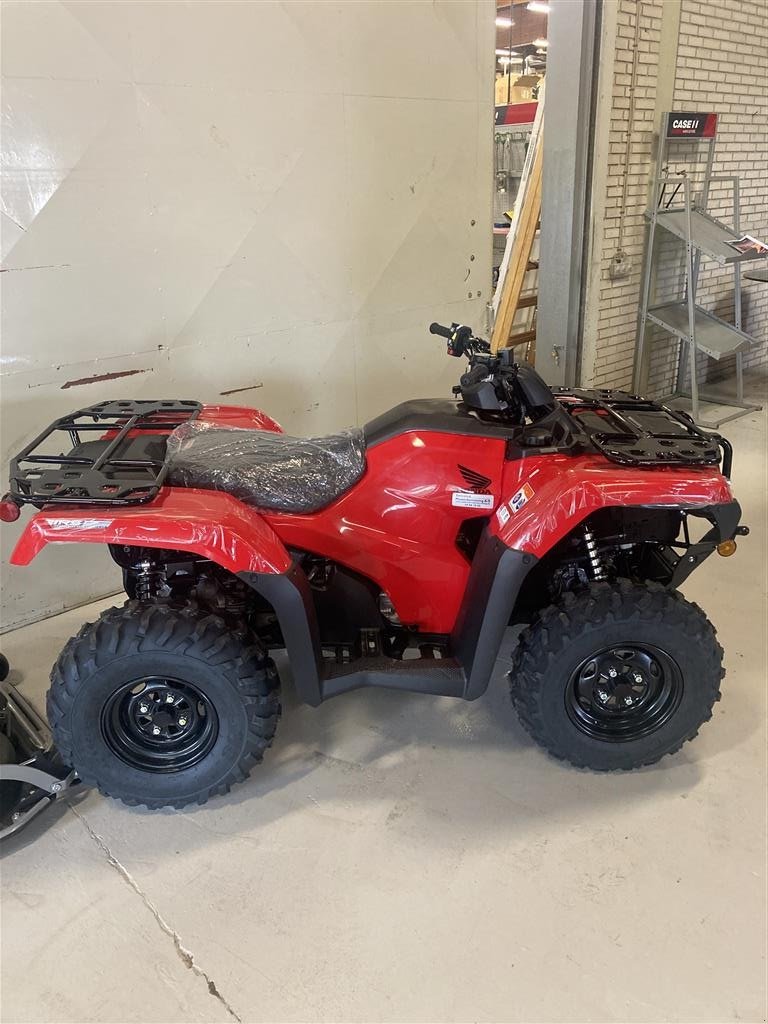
(726, 547)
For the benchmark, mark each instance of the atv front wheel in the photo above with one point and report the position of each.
(162, 706)
(618, 676)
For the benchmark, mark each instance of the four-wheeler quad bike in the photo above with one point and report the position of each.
(394, 556)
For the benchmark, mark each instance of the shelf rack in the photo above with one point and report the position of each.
(124, 465)
(676, 212)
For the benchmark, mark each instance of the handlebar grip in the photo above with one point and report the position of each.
(444, 332)
(475, 375)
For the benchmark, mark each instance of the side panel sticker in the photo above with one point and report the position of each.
(468, 499)
(522, 497)
(502, 514)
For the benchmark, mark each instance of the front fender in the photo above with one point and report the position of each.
(207, 523)
(550, 495)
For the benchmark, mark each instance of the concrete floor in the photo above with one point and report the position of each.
(405, 858)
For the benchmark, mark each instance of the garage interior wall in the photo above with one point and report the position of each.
(246, 203)
(692, 55)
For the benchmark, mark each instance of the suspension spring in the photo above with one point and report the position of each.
(147, 578)
(595, 561)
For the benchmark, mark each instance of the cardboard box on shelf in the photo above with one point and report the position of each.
(521, 88)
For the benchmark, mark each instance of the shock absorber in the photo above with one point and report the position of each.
(143, 576)
(147, 578)
(595, 561)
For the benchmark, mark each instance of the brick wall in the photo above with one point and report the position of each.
(720, 64)
(621, 171)
(722, 57)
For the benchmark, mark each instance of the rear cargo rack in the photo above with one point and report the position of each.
(634, 431)
(124, 465)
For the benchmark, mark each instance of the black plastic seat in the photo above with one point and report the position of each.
(265, 469)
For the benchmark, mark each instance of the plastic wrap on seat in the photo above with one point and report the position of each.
(266, 469)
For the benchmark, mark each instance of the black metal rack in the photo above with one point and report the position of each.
(124, 466)
(634, 431)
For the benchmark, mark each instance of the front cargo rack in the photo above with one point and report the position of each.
(634, 431)
(124, 465)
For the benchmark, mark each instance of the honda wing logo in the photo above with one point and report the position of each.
(476, 481)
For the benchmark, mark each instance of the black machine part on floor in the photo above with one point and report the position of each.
(32, 776)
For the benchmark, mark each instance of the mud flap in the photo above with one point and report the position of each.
(290, 596)
(494, 582)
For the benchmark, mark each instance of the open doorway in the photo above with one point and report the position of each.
(521, 48)
(541, 177)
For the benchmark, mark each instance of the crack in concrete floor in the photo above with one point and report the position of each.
(185, 955)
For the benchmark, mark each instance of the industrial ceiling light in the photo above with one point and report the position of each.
(537, 7)
(540, 42)
(504, 23)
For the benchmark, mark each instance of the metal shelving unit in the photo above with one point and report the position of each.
(714, 337)
(709, 235)
(704, 236)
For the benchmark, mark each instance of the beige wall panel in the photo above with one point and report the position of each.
(211, 196)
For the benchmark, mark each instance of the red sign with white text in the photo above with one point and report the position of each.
(687, 125)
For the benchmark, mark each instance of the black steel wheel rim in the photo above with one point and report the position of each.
(158, 724)
(624, 692)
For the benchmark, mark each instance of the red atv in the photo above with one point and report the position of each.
(395, 555)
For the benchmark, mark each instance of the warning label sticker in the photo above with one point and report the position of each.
(468, 499)
(522, 497)
(502, 514)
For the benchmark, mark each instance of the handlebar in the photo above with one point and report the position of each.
(492, 384)
(460, 340)
(475, 375)
(443, 332)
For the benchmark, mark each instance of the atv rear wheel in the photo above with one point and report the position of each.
(162, 706)
(618, 676)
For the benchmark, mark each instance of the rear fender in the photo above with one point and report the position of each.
(238, 416)
(207, 523)
(215, 526)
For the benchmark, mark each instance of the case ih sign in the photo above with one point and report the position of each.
(686, 125)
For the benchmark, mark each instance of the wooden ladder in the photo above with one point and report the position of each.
(518, 261)
(525, 333)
